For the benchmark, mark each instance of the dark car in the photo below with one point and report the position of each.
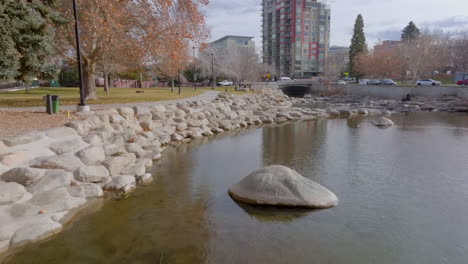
(374, 82)
(388, 82)
(463, 82)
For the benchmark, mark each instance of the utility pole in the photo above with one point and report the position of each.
(82, 107)
(212, 72)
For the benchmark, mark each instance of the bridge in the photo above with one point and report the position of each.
(291, 89)
(301, 88)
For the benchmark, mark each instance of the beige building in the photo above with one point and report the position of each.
(232, 43)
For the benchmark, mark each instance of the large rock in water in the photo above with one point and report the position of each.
(280, 186)
(383, 122)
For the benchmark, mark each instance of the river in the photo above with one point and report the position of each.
(403, 199)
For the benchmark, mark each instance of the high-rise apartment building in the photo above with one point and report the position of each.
(296, 36)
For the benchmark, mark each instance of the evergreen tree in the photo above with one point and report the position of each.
(358, 45)
(410, 32)
(26, 38)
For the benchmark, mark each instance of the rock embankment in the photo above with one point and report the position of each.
(281, 186)
(45, 177)
(348, 102)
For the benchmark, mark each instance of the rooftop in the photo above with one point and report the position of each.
(233, 37)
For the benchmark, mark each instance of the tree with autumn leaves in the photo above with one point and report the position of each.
(129, 32)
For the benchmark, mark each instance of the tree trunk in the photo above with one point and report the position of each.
(89, 78)
(172, 84)
(106, 83)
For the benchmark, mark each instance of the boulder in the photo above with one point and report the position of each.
(137, 170)
(23, 139)
(80, 126)
(23, 176)
(122, 184)
(93, 139)
(11, 192)
(159, 108)
(56, 201)
(126, 112)
(34, 232)
(281, 186)
(116, 118)
(52, 179)
(147, 125)
(146, 178)
(383, 122)
(58, 132)
(137, 149)
(159, 115)
(68, 146)
(92, 174)
(14, 158)
(92, 155)
(145, 116)
(141, 110)
(92, 190)
(112, 149)
(3, 148)
(118, 163)
(66, 162)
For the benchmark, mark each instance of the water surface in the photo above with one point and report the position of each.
(403, 199)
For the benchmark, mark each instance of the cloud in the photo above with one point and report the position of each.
(383, 19)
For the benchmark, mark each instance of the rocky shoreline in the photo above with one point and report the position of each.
(446, 103)
(46, 177)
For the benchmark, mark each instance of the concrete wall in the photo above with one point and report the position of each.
(396, 92)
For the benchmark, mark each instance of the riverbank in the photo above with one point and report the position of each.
(350, 102)
(46, 177)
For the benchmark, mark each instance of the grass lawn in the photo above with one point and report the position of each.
(70, 96)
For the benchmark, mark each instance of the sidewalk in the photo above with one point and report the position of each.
(207, 96)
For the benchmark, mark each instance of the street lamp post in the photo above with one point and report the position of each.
(194, 69)
(82, 107)
(178, 74)
(212, 72)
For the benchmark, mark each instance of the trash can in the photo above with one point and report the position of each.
(55, 104)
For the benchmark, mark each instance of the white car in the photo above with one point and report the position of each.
(341, 82)
(225, 83)
(285, 79)
(428, 82)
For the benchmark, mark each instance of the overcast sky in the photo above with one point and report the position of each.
(383, 19)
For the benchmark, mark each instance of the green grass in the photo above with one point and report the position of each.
(70, 96)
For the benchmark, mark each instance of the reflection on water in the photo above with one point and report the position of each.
(402, 191)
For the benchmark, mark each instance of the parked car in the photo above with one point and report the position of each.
(363, 81)
(285, 79)
(341, 82)
(388, 82)
(349, 80)
(225, 83)
(428, 82)
(374, 82)
(463, 82)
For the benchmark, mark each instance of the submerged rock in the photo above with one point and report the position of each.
(281, 186)
(383, 122)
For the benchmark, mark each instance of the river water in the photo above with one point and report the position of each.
(403, 199)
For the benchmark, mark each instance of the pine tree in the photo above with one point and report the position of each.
(26, 38)
(358, 45)
(410, 32)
